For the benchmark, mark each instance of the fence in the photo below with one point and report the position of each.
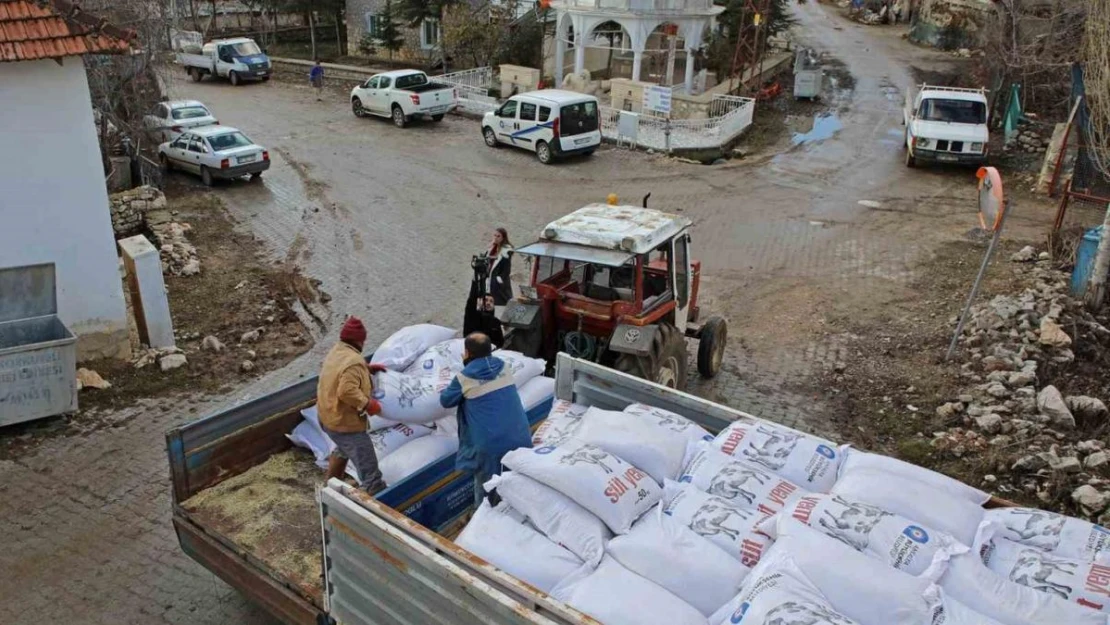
(728, 117)
(473, 89)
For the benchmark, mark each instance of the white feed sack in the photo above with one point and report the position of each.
(778, 593)
(670, 421)
(405, 345)
(639, 441)
(616, 596)
(446, 355)
(494, 535)
(1055, 533)
(613, 490)
(947, 611)
(411, 399)
(522, 367)
(744, 485)
(969, 581)
(917, 501)
(727, 526)
(536, 391)
(807, 461)
(393, 438)
(415, 456)
(670, 554)
(561, 423)
(854, 459)
(876, 532)
(554, 514)
(1076, 581)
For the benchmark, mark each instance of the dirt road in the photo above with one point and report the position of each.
(388, 218)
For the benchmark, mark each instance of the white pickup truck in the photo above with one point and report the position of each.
(402, 95)
(946, 125)
(235, 59)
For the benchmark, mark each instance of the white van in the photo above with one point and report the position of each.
(550, 122)
(946, 125)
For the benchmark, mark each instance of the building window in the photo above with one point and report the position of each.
(374, 25)
(429, 33)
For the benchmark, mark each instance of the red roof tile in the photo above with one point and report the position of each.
(53, 29)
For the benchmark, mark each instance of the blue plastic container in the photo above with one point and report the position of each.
(1085, 261)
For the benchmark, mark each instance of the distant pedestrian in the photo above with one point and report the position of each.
(316, 79)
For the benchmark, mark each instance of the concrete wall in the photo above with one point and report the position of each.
(55, 204)
(950, 24)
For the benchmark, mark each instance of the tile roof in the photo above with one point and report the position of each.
(53, 29)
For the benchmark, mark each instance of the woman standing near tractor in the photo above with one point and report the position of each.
(500, 255)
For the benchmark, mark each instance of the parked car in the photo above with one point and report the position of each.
(215, 152)
(550, 122)
(946, 125)
(167, 120)
(236, 59)
(402, 95)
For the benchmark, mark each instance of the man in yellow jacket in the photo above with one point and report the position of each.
(343, 401)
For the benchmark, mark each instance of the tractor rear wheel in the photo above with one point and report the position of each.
(711, 346)
(666, 364)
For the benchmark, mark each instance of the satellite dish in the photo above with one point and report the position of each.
(991, 201)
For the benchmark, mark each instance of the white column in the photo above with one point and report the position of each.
(689, 72)
(579, 53)
(560, 56)
(637, 59)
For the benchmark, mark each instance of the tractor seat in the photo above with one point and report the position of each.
(601, 292)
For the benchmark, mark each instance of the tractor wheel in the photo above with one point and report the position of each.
(665, 365)
(711, 346)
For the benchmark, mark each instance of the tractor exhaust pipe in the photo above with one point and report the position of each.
(646, 199)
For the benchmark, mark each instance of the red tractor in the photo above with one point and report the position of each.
(616, 285)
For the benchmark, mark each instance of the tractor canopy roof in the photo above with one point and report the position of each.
(628, 229)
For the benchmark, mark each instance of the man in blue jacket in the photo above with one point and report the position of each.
(491, 416)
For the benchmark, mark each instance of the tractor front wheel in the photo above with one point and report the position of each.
(711, 346)
(666, 364)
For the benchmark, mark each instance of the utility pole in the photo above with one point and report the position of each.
(1096, 288)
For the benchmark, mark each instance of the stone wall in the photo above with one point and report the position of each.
(129, 209)
(951, 24)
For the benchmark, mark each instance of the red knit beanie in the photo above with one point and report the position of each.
(353, 331)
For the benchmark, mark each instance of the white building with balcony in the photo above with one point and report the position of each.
(689, 20)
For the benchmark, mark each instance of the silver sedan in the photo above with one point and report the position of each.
(215, 152)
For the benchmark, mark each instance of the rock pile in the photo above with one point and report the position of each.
(167, 359)
(179, 256)
(1035, 440)
(1028, 140)
(129, 208)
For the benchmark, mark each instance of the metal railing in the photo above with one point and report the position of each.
(473, 88)
(728, 116)
(641, 5)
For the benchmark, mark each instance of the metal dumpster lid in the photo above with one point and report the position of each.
(28, 291)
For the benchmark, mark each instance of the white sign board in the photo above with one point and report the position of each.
(658, 99)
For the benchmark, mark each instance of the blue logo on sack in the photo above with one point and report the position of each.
(916, 534)
(544, 450)
(686, 479)
(738, 615)
(826, 451)
(429, 363)
(707, 437)
(1099, 528)
(378, 394)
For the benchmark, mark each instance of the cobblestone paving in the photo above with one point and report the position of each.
(85, 535)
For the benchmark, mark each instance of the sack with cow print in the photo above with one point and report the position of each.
(404, 346)
(411, 399)
(554, 514)
(613, 490)
(616, 596)
(1057, 534)
(562, 423)
(671, 422)
(924, 504)
(874, 531)
(853, 459)
(969, 581)
(807, 461)
(391, 439)
(637, 440)
(731, 528)
(446, 355)
(743, 485)
(672, 555)
(522, 367)
(778, 592)
(1076, 581)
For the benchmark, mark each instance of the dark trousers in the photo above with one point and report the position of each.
(358, 448)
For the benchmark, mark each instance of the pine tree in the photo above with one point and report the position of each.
(389, 34)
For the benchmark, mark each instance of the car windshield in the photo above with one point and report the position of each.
(246, 48)
(190, 112)
(228, 141)
(954, 111)
(412, 80)
(578, 118)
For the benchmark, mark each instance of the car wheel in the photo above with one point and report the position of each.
(911, 162)
(437, 118)
(399, 117)
(196, 75)
(256, 176)
(588, 153)
(164, 162)
(206, 177)
(265, 79)
(356, 107)
(234, 78)
(490, 137)
(543, 152)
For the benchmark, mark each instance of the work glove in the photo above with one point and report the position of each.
(373, 407)
(375, 368)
